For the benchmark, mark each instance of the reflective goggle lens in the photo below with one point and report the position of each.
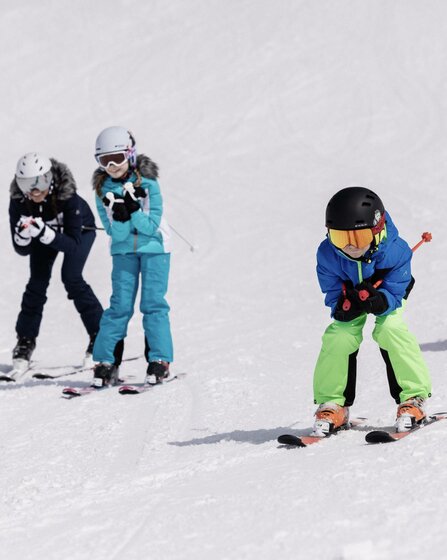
(117, 158)
(41, 183)
(357, 238)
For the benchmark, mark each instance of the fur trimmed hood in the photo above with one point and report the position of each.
(145, 166)
(64, 185)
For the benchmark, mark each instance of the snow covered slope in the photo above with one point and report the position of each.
(257, 111)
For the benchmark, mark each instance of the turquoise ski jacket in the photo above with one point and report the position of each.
(146, 231)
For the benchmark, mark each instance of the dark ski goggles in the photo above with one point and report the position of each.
(117, 159)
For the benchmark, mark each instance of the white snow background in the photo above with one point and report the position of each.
(257, 112)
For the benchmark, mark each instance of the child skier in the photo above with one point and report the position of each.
(46, 217)
(130, 206)
(363, 267)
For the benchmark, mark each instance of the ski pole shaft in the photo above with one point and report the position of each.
(177, 233)
(190, 245)
(426, 238)
(91, 228)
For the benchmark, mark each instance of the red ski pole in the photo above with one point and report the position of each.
(364, 294)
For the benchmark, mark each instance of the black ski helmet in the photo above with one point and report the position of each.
(354, 208)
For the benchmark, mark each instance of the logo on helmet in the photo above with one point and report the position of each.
(377, 217)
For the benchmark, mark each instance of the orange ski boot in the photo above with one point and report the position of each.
(330, 417)
(410, 413)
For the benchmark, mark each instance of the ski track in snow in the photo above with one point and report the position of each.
(257, 113)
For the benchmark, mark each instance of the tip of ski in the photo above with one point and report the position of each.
(295, 441)
(127, 389)
(7, 378)
(384, 436)
(290, 440)
(13, 376)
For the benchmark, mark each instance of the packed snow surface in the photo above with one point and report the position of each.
(257, 112)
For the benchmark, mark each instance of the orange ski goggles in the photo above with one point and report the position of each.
(357, 237)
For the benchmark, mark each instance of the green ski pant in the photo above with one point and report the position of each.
(336, 368)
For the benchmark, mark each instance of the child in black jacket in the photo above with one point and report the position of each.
(46, 217)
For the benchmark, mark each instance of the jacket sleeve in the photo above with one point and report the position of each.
(68, 240)
(148, 224)
(330, 282)
(396, 281)
(14, 217)
(103, 215)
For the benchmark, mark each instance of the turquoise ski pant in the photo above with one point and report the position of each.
(126, 272)
(335, 371)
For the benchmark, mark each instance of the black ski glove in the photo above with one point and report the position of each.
(131, 196)
(348, 306)
(131, 204)
(375, 301)
(120, 213)
(139, 192)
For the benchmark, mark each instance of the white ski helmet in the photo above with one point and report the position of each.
(33, 171)
(116, 139)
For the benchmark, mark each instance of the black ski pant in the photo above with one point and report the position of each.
(34, 298)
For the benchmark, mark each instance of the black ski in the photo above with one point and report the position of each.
(15, 373)
(290, 440)
(384, 436)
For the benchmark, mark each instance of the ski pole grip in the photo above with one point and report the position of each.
(426, 238)
(363, 295)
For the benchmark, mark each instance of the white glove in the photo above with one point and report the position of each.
(22, 226)
(39, 229)
(36, 226)
(22, 231)
(48, 235)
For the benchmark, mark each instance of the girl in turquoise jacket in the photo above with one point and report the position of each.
(130, 207)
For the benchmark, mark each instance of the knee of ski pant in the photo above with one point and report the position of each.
(160, 305)
(38, 284)
(73, 285)
(120, 308)
(344, 337)
(389, 327)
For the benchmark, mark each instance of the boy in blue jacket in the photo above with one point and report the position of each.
(364, 267)
(130, 207)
